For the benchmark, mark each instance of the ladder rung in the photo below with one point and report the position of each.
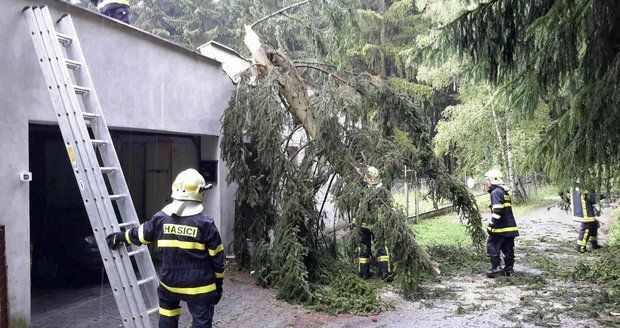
(153, 310)
(136, 252)
(144, 281)
(64, 39)
(112, 169)
(81, 90)
(128, 224)
(97, 142)
(73, 64)
(117, 197)
(89, 116)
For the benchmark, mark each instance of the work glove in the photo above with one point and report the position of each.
(115, 239)
(219, 289)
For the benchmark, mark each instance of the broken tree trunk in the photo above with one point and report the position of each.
(294, 93)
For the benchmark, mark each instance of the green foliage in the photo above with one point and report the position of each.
(560, 52)
(468, 132)
(443, 230)
(293, 259)
(455, 259)
(614, 234)
(605, 272)
(347, 293)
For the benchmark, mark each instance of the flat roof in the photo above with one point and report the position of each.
(150, 35)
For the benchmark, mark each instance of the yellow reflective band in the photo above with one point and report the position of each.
(127, 237)
(366, 226)
(584, 241)
(219, 275)
(181, 244)
(387, 251)
(383, 258)
(508, 229)
(502, 205)
(218, 249)
(364, 260)
(190, 290)
(141, 235)
(169, 313)
(107, 2)
(190, 187)
(584, 210)
(496, 216)
(586, 219)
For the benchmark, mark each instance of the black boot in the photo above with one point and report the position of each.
(495, 270)
(595, 245)
(581, 249)
(387, 277)
(364, 268)
(509, 263)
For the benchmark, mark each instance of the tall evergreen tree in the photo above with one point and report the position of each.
(563, 53)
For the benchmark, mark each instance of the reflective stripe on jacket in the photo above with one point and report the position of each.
(502, 220)
(192, 251)
(583, 205)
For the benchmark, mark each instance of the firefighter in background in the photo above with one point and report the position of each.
(502, 227)
(117, 9)
(372, 179)
(192, 253)
(584, 212)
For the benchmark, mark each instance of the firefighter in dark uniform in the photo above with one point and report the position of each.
(372, 179)
(584, 212)
(192, 253)
(502, 227)
(117, 9)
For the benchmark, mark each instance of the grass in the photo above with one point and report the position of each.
(443, 230)
(614, 233)
(447, 230)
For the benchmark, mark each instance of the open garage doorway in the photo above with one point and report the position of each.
(66, 266)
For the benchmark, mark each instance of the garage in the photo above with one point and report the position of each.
(64, 255)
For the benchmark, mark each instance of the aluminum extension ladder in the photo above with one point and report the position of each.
(60, 55)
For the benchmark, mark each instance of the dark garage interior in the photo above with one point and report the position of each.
(65, 259)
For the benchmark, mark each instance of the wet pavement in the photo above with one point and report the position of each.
(475, 302)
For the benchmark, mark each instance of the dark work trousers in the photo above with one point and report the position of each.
(200, 307)
(588, 232)
(116, 11)
(505, 245)
(383, 256)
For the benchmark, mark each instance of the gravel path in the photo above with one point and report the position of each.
(531, 298)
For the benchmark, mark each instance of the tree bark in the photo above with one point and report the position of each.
(500, 140)
(515, 183)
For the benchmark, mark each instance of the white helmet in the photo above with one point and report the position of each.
(372, 176)
(187, 194)
(495, 176)
(188, 185)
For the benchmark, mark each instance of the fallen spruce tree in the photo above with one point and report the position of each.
(347, 121)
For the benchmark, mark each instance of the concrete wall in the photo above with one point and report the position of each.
(143, 83)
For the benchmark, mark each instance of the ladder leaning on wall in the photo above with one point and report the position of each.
(86, 135)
